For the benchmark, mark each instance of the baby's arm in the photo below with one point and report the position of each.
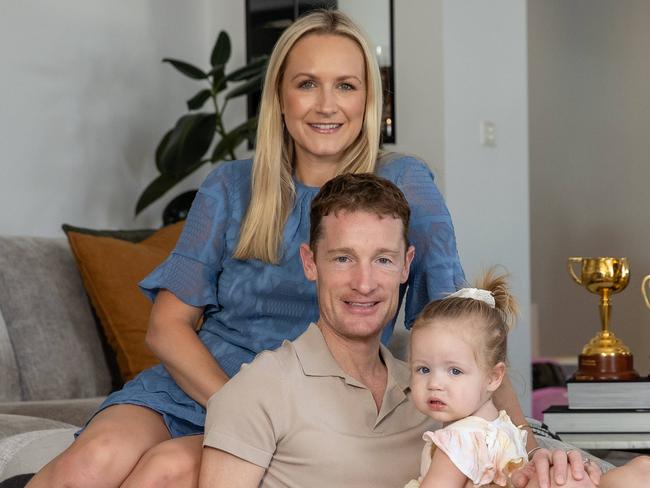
(443, 473)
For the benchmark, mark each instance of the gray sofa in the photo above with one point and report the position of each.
(54, 365)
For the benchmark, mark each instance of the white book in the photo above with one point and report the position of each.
(611, 440)
(633, 394)
(562, 419)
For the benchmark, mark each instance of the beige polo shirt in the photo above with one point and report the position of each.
(294, 412)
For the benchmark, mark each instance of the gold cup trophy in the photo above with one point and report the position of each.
(605, 357)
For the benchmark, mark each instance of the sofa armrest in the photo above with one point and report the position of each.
(75, 412)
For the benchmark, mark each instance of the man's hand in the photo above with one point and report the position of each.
(563, 464)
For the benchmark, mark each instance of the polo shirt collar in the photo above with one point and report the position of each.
(317, 360)
(313, 354)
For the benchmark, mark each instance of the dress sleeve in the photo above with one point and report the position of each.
(192, 269)
(436, 269)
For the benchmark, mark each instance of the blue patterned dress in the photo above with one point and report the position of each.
(250, 305)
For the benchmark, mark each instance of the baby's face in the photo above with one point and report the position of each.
(447, 383)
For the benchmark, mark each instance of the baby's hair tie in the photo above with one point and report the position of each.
(476, 294)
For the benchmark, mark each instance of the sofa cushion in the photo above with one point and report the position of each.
(11, 425)
(73, 411)
(136, 235)
(111, 269)
(48, 320)
(130, 235)
(10, 384)
(29, 451)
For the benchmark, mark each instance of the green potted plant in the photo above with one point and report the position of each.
(199, 136)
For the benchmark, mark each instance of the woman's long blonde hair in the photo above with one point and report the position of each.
(273, 191)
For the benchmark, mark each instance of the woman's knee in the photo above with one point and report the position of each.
(641, 466)
(170, 464)
(99, 461)
(634, 473)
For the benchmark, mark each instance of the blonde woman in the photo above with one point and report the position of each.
(237, 263)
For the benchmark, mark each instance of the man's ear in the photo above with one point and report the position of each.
(496, 376)
(408, 259)
(308, 262)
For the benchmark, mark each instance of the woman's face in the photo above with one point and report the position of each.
(323, 98)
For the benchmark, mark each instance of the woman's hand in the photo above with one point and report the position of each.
(557, 468)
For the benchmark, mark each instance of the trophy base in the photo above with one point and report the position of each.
(597, 367)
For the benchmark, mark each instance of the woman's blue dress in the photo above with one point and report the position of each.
(250, 305)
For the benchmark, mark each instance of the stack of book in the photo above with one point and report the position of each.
(604, 414)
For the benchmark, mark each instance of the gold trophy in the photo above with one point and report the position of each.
(646, 281)
(605, 357)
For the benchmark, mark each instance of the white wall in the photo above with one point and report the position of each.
(375, 17)
(485, 78)
(590, 164)
(89, 100)
(85, 101)
(458, 63)
(419, 82)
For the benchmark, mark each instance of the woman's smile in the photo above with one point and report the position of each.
(325, 128)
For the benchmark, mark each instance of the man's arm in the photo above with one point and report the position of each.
(222, 469)
(243, 421)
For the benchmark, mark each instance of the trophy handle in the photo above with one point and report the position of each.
(643, 287)
(572, 273)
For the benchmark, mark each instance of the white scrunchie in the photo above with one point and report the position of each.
(477, 294)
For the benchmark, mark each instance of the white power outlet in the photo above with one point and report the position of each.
(488, 133)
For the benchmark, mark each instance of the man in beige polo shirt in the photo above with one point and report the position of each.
(330, 408)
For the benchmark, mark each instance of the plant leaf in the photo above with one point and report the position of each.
(227, 144)
(161, 185)
(197, 101)
(161, 148)
(251, 86)
(255, 67)
(219, 81)
(187, 69)
(188, 142)
(221, 51)
(233, 139)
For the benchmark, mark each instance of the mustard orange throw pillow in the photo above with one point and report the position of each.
(111, 269)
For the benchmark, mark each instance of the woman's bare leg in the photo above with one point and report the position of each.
(106, 451)
(634, 474)
(173, 463)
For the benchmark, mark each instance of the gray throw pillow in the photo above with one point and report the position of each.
(48, 320)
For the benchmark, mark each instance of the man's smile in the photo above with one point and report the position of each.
(361, 306)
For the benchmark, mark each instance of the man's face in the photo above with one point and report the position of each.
(358, 264)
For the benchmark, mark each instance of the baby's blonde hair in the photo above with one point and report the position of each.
(493, 324)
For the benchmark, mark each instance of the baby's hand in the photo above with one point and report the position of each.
(522, 476)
